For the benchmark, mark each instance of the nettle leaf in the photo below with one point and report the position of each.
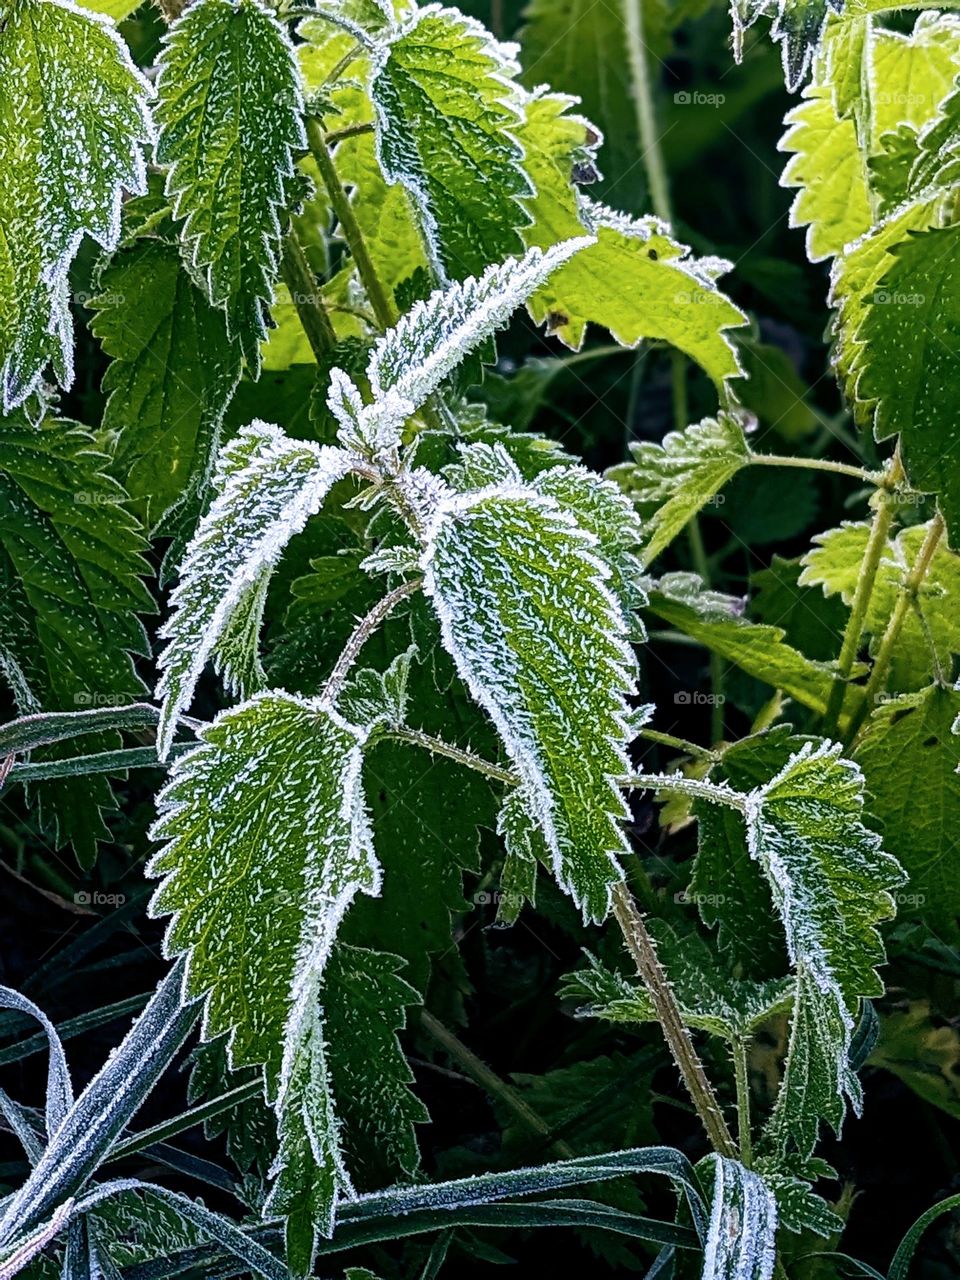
(73, 123)
(798, 27)
(639, 283)
(718, 622)
(230, 115)
(911, 738)
(854, 286)
(741, 1239)
(446, 108)
(709, 998)
(71, 563)
(835, 564)
(910, 373)
(524, 846)
(267, 843)
(268, 486)
(912, 73)
(671, 481)
(540, 642)
(424, 347)
(831, 884)
(173, 372)
(364, 1001)
(833, 201)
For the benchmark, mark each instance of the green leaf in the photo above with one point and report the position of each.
(424, 347)
(924, 1052)
(70, 574)
(831, 884)
(910, 371)
(524, 846)
(229, 110)
(73, 122)
(718, 623)
(507, 570)
(267, 843)
(673, 480)
(741, 1241)
(835, 564)
(710, 999)
(833, 202)
(268, 486)
(798, 27)
(446, 107)
(172, 375)
(727, 885)
(911, 737)
(364, 1002)
(912, 74)
(639, 283)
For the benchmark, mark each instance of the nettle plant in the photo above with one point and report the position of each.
(373, 193)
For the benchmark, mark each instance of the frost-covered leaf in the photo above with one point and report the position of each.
(603, 511)
(229, 111)
(835, 564)
(855, 282)
(799, 1208)
(424, 347)
(671, 481)
(446, 108)
(758, 649)
(639, 283)
(798, 26)
(268, 487)
(378, 698)
(524, 846)
(70, 568)
(365, 998)
(833, 202)
(709, 998)
(727, 885)
(540, 642)
(247, 1126)
(910, 364)
(172, 374)
(741, 1240)
(910, 738)
(73, 122)
(267, 842)
(831, 884)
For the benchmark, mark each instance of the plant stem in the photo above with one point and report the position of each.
(361, 634)
(816, 464)
(680, 744)
(383, 306)
(349, 131)
(645, 112)
(699, 555)
(853, 632)
(905, 599)
(743, 1102)
(488, 1080)
(640, 945)
(305, 294)
(440, 748)
(717, 793)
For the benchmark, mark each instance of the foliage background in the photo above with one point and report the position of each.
(65, 943)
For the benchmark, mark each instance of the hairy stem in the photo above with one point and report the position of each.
(488, 1080)
(305, 295)
(361, 634)
(853, 633)
(743, 1102)
(349, 131)
(382, 304)
(816, 464)
(641, 948)
(905, 600)
(716, 793)
(682, 745)
(467, 758)
(642, 86)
